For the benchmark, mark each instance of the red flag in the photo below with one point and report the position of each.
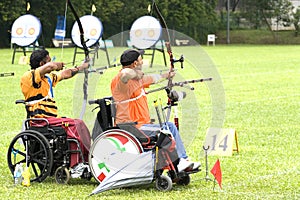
(216, 171)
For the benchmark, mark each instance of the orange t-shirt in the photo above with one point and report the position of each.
(131, 101)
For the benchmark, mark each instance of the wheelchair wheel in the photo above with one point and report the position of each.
(164, 183)
(31, 148)
(185, 180)
(62, 175)
(106, 146)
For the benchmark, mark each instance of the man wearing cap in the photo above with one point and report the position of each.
(128, 92)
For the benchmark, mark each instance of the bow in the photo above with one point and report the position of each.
(168, 88)
(86, 53)
(166, 36)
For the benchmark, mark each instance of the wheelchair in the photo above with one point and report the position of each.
(47, 151)
(107, 154)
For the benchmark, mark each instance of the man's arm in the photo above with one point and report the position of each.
(128, 73)
(58, 66)
(160, 77)
(49, 67)
(69, 73)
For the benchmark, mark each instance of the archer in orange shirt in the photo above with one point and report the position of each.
(128, 92)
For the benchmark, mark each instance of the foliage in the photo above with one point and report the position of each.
(9, 12)
(262, 12)
(254, 36)
(295, 19)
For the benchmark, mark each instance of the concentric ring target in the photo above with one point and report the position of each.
(25, 30)
(145, 32)
(92, 28)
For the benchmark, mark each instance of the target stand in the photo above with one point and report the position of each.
(145, 35)
(93, 50)
(159, 46)
(24, 50)
(24, 35)
(93, 31)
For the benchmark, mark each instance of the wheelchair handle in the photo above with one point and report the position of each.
(94, 101)
(98, 101)
(20, 101)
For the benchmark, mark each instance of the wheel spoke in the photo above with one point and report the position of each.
(32, 148)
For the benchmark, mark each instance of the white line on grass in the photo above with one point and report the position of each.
(232, 188)
(268, 99)
(261, 73)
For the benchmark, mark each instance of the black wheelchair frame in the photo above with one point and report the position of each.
(45, 150)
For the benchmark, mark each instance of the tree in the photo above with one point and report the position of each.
(194, 18)
(264, 12)
(9, 12)
(295, 20)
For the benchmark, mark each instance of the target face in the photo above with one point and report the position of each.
(25, 30)
(92, 28)
(145, 32)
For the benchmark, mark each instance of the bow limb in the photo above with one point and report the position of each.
(166, 36)
(86, 53)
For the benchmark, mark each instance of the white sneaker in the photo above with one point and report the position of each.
(196, 165)
(184, 165)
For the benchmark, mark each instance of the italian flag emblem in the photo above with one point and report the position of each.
(104, 170)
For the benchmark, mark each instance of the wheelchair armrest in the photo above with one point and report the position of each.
(41, 122)
(131, 128)
(20, 101)
(127, 124)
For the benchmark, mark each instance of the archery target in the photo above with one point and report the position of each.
(145, 32)
(92, 28)
(25, 30)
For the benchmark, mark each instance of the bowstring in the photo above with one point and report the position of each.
(65, 26)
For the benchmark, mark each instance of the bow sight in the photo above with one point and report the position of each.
(181, 60)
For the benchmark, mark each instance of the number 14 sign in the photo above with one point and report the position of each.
(220, 141)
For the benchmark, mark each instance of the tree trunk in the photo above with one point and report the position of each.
(269, 26)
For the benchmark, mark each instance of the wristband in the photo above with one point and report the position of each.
(74, 71)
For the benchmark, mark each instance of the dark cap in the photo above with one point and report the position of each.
(130, 55)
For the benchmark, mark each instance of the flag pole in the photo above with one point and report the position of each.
(206, 164)
(214, 185)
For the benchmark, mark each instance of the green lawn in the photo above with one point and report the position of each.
(262, 95)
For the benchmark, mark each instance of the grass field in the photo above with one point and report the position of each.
(262, 92)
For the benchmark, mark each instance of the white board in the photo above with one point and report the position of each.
(92, 28)
(25, 30)
(145, 32)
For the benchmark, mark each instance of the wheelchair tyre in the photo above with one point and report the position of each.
(62, 175)
(185, 180)
(33, 148)
(164, 183)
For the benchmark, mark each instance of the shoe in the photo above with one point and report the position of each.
(196, 165)
(184, 165)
